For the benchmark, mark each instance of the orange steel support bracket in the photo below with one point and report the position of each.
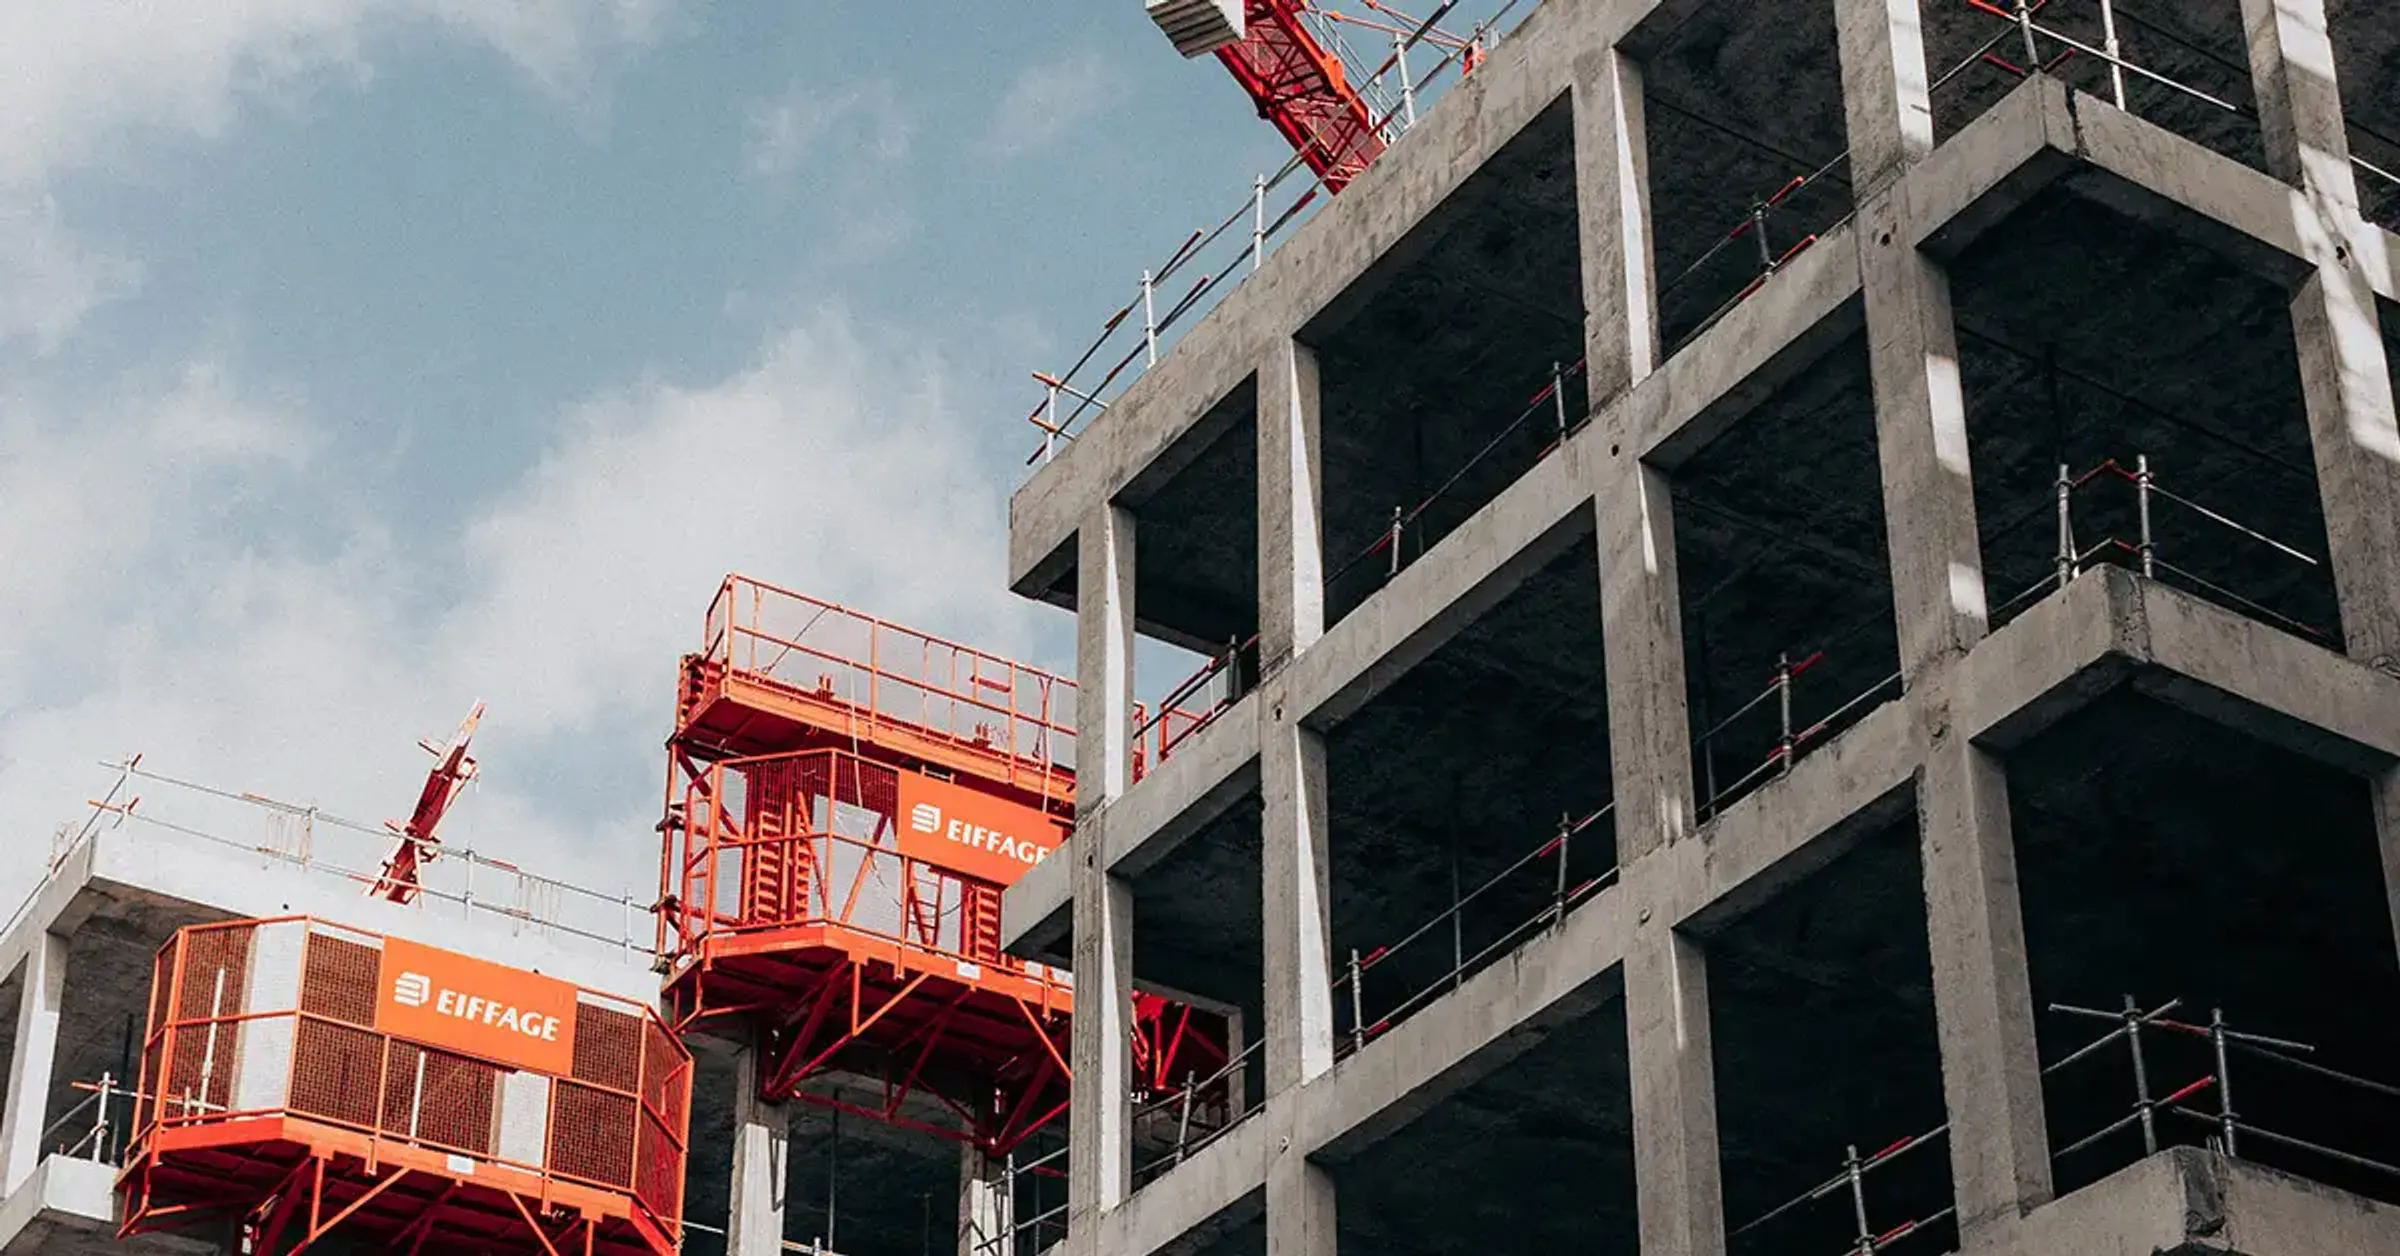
(1302, 90)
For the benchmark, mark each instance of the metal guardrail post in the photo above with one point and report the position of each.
(1856, 1172)
(1783, 697)
(1358, 1006)
(2033, 52)
(1558, 397)
(2141, 491)
(1397, 525)
(2066, 525)
(1149, 317)
(2226, 1120)
(2141, 1077)
(2116, 53)
(1258, 223)
(1558, 889)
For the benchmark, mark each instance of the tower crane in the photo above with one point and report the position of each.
(1300, 85)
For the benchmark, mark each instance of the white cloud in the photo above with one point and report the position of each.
(834, 462)
(1049, 100)
(49, 279)
(83, 85)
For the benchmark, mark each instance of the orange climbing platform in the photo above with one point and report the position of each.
(302, 1081)
(846, 801)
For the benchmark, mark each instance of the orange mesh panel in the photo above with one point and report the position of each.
(666, 1079)
(334, 1071)
(608, 1047)
(338, 979)
(591, 1134)
(199, 1070)
(659, 1170)
(451, 1107)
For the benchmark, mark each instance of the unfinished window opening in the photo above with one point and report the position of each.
(859, 1185)
(1196, 577)
(2178, 64)
(2173, 861)
(2135, 399)
(2366, 59)
(1534, 1156)
(1788, 632)
(1821, 999)
(1743, 104)
(1197, 934)
(1454, 365)
(1470, 801)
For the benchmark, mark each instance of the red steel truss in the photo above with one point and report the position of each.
(1302, 90)
(808, 907)
(273, 1108)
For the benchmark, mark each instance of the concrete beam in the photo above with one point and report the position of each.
(1789, 828)
(1556, 976)
(2186, 1199)
(39, 1007)
(1479, 563)
(1214, 1181)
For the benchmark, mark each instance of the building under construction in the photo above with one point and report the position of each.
(1817, 588)
(1802, 617)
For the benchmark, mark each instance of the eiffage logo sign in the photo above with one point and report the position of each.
(984, 837)
(474, 1007)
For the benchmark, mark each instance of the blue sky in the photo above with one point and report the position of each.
(362, 358)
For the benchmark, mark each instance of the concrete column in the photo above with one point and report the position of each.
(1291, 514)
(29, 1073)
(1921, 440)
(1676, 1181)
(2386, 793)
(1100, 1113)
(1982, 990)
(1649, 729)
(2344, 374)
(1678, 1184)
(1100, 1120)
(761, 1134)
(1299, 940)
(1300, 1215)
(1612, 198)
(1886, 93)
(986, 1212)
(1103, 657)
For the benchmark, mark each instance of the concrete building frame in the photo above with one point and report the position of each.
(1969, 692)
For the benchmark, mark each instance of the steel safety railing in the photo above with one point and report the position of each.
(1211, 261)
(457, 877)
(1792, 738)
(891, 675)
(2077, 549)
(2209, 1085)
(1544, 874)
(1189, 1117)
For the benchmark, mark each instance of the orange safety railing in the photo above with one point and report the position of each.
(777, 842)
(260, 1028)
(892, 675)
(892, 683)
